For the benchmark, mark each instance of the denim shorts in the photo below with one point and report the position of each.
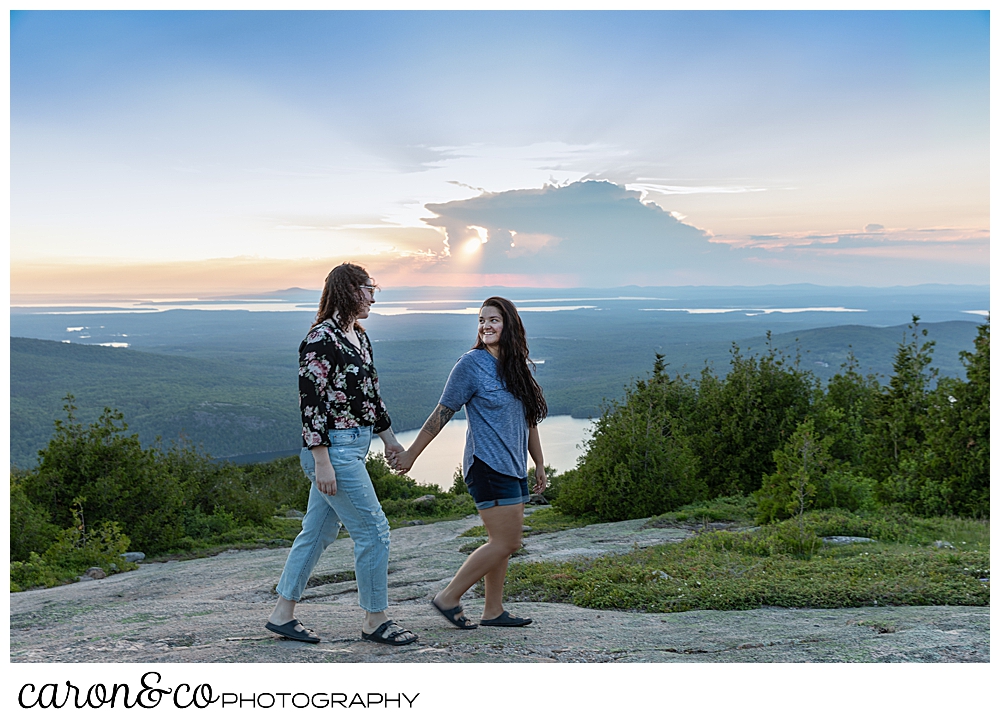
(490, 488)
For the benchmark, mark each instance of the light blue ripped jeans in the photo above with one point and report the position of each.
(357, 508)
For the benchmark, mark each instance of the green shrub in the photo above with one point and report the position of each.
(576, 496)
(638, 463)
(846, 490)
(458, 486)
(784, 538)
(198, 525)
(33, 572)
(444, 505)
(739, 421)
(250, 493)
(281, 482)
(30, 528)
(80, 547)
(391, 486)
(735, 508)
(120, 481)
(74, 551)
(801, 464)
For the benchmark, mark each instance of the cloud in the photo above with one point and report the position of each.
(597, 232)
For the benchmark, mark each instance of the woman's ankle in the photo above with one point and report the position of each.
(445, 601)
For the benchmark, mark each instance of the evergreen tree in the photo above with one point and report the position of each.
(901, 410)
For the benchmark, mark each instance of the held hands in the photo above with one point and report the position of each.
(392, 450)
(541, 480)
(403, 461)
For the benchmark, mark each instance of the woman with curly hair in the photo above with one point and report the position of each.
(341, 409)
(503, 405)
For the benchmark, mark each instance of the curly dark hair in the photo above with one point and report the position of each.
(512, 361)
(341, 295)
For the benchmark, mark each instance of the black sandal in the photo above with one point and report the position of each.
(288, 631)
(456, 617)
(382, 634)
(506, 620)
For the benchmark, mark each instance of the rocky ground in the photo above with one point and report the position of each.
(213, 610)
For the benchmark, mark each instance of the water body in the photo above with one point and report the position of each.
(562, 441)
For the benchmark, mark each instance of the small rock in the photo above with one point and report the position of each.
(943, 545)
(845, 539)
(134, 556)
(661, 574)
(537, 500)
(95, 573)
(415, 522)
(525, 528)
(294, 514)
(425, 500)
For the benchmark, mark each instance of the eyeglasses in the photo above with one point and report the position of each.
(371, 289)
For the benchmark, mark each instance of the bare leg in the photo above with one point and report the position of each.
(504, 525)
(494, 581)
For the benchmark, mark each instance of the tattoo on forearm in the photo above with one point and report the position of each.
(439, 417)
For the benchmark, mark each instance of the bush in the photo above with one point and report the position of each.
(845, 490)
(950, 472)
(249, 492)
(634, 466)
(391, 486)
(739, 421)
(458, 486)
(802, 463)
(444, 505)
(639, 462)
(736, 508)
(120, 481)
(75, 550)
(280, 482)
(163, 500)
(33, 572)
(575, 496)
(30, 528)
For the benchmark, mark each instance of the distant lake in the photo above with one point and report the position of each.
(562, 439)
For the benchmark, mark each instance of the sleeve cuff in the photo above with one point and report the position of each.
(381, 424)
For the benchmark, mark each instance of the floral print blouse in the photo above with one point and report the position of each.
(338, 385)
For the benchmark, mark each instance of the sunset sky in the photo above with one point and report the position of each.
(193, 153)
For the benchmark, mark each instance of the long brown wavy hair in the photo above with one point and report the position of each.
(512, 361)
(342, 294)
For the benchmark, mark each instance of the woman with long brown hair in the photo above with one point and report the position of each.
(503, 406)
(341, 409)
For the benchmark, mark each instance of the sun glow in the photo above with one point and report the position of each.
(474, 243)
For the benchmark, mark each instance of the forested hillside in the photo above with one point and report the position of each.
(226, 409)
(242, 399)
